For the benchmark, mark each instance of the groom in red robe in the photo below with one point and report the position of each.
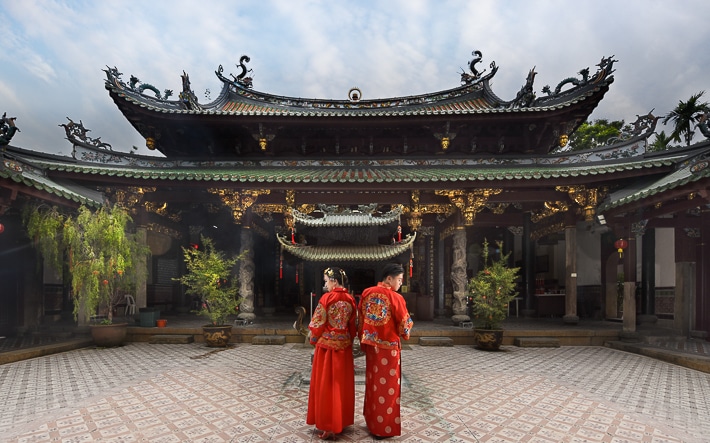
(384, 320)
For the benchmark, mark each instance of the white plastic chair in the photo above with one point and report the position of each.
(130, 305)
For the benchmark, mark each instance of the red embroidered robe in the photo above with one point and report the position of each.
(331, 398)
(384, 320)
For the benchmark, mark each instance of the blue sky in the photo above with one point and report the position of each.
(53, 52)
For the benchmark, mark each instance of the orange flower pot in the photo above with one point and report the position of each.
(161, 322)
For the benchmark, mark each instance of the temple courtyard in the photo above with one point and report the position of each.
(258, 393)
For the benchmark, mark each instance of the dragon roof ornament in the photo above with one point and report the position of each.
(606, 68)
(703, 124)
(526, 96)
(238, 81)
(475, 74)
(7, 129)
(113, 78)
(76, 134)
(644, 125)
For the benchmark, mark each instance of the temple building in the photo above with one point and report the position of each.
(302, 184)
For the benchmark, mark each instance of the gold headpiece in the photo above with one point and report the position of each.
(330, 273)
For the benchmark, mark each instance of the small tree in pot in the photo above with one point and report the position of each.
(210, 277)
(490, 291)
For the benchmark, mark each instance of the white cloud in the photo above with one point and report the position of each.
(55, 51)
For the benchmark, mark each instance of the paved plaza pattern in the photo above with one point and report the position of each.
(256, 393)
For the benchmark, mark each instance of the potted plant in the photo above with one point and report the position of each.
(490, 291)
(104, 260)
(209, 276)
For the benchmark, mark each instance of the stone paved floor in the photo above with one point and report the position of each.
(251, 393)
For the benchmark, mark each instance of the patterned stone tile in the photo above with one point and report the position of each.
(187, 393)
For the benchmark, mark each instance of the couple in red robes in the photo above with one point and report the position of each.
(383, 320)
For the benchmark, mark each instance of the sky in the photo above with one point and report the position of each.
(53, 53)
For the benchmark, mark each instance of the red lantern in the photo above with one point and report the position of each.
(620, 245)
(2, 228)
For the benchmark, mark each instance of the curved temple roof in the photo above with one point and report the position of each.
(348, 218)
(470, 118)
(366, 253)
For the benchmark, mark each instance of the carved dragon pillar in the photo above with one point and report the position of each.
(246, 275)
(239, 203)
(458, 276)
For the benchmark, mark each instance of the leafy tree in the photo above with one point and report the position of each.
(661, 143)
(591, 135)
(209, 276)
(104, 260)
(685, 115)
(492, 289)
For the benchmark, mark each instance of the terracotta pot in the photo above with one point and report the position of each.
(217, 336)
(107, 336)
(161, 322)
(488, 339)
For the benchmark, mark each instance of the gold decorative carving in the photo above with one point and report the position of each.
(415, 211)
(162, 210)
(445, 137)
(497, 208)
(471, 202)
(156, 208)
(128, 198)
(238, 201)
(551, 208)
(551, 229)
(586, 198)
(564, 139)
(154, 227)
(263, 138)
(269, 208)
(290, 198)
(306, 209)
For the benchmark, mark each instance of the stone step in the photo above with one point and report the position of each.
(436, 341)
(537, 342)
(171, 339)
(268, 340)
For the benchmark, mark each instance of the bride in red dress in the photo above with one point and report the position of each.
(331, 397)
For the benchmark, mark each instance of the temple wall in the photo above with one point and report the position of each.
(588, 257)
(665, 261)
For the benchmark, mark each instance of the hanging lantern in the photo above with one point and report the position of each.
(411, 263)
(620, 245)
(293, 236)
(399, 233)
(2, 228)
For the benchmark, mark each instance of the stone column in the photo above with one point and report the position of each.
(441, 306)
(628, 331)
(458, 276)
(141, 294)
(528, 267)
(684, 296)
(571, 316)
(246, 275)
(648, 277)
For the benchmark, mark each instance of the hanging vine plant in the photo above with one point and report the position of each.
(104, 260)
